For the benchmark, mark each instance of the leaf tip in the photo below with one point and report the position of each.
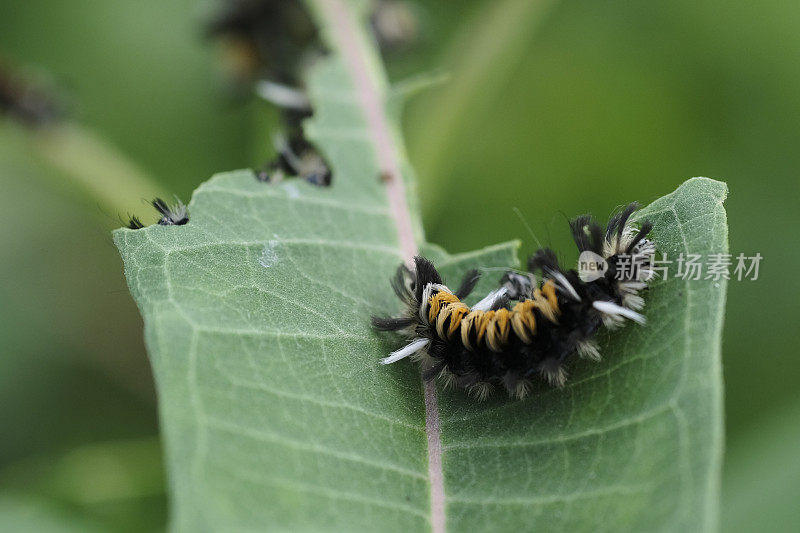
(703, 185)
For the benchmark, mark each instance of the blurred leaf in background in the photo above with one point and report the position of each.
(760, 489)
(73, 370)
(141, 75)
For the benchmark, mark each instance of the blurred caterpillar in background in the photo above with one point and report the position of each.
(27, 98)
(497, 343)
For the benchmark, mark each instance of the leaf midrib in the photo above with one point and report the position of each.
(373, 106)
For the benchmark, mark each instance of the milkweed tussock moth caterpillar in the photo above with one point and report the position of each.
(524, 329)
(296, 157)
(171, 215)
(267, 46)
(263, 38)
(27, 100)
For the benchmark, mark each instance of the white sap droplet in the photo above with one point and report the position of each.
(292, 191)
(269, 254)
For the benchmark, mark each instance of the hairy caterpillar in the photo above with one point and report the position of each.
(27, 101)
(171, 215)
(296, 157)
(523, 329)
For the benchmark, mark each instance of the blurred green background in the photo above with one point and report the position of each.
(554, 107)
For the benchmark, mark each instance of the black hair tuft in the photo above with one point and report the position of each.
(171, 215)
(134, 223)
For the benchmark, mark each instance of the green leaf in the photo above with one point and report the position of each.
(633, 443)
(272, 400)
(276, 414)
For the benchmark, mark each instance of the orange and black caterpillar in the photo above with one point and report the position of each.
(523, 329)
